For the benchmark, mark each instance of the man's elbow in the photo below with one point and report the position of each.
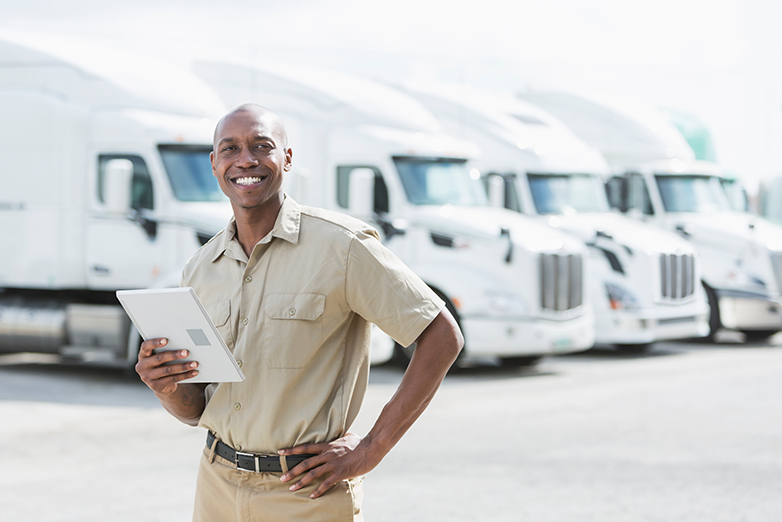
(189, 421)
(451, 337)
(459, 340)
(458, 336)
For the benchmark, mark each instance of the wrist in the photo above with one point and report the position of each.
(376, 446)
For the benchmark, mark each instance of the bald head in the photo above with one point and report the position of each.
(269, 118)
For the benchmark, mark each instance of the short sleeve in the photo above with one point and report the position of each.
(384, 291)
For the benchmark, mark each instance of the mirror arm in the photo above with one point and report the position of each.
(388, 228)
(149, 225)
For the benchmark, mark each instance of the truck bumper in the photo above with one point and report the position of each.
(663, 323)
(747, 311)
(489, 337)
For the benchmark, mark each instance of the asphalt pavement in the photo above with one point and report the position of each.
(687, 432)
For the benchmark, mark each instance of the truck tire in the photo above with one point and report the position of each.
(634, 348)
(520, 361)
(758, 335)
(714, 313)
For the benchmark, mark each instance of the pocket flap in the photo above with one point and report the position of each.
(219, 311)
(306, 307)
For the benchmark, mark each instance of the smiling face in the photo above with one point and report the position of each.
(249, 157)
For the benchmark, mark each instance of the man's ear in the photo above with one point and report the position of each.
(212, 160)
(288, 160)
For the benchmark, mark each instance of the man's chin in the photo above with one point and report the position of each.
(268, 203)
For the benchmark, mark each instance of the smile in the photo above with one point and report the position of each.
(248, 180)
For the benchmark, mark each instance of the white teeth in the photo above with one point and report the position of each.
(247, 181)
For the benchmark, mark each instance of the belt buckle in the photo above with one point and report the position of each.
(247, 456)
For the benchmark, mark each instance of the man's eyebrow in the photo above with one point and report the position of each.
(258, 137)
(226, 140)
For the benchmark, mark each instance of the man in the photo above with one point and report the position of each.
(293, 291)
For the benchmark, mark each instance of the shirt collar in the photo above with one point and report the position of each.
(286, 227)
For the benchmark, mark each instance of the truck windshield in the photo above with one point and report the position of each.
(440, 181)
(190, 172)
(692, 193)
(566, 193)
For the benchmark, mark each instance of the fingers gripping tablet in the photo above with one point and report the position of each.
(178, 315)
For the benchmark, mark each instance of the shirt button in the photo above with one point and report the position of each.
(292, 311)
(238, 447)
(239, 363)
(248, 279)
(237, 406)
(245, 321)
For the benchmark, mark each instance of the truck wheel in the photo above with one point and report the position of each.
(520, 361)
(758, 335)
(403, 354)
(634, 348)
(714, 313)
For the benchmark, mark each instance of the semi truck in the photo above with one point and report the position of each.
(741, 253)
(106, 184)
(644, 282)
(516, 287)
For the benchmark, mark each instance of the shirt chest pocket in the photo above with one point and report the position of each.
(220, 313)
(294, 330)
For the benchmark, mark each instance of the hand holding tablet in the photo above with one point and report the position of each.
(178, 315)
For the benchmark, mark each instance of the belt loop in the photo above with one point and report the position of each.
(212, 451)
(284, 463)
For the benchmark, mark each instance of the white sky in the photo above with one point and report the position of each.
(720, 60)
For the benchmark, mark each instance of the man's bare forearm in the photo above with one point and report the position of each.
(436, 350)
(186, 404)
(349, 456)
(163, 371)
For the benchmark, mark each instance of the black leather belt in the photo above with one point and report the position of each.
(251, 461)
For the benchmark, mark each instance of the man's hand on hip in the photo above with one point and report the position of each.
(351, 456)
(341, 459)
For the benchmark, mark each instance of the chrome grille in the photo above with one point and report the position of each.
(561, 281)
(677, 276)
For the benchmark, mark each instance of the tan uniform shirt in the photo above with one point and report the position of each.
(297, 315)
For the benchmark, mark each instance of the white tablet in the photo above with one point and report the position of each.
(178, 315)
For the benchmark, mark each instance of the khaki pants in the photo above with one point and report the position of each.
(224, 494)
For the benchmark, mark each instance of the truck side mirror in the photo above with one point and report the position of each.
(117, 181)
(361, 194)
(496, 191)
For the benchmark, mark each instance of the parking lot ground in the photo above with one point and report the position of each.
(687, 432)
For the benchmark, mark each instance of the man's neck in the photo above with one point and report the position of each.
(254, 224)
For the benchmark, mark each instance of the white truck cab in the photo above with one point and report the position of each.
(516, 287)
(643, 281)
(105, 184)
(742, 269)
(657, 180)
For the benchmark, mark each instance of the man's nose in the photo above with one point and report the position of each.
(246, 159)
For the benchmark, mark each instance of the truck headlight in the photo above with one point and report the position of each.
(620, 299)
(505, 303)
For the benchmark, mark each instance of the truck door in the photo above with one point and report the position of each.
(639, 203)
(123, 251)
